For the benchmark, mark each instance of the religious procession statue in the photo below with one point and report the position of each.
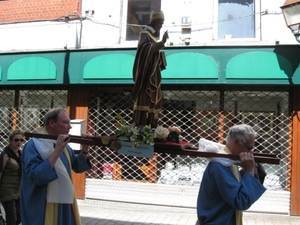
(149, 61)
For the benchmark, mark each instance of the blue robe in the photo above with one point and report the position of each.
(36, 174)
(220, 195)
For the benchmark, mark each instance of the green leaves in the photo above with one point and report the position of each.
(137, 135)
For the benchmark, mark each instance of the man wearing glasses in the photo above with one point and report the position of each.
(225, 192)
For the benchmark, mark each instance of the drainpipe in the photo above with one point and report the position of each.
(260, 22)
(80, 33)
(121, 20)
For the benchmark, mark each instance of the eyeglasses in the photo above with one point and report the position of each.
(17, 140)
(249, 147)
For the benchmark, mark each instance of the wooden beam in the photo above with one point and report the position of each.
(163, 147)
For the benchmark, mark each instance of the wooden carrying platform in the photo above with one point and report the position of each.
(164, 147)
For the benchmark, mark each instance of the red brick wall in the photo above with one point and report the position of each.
(12, 11)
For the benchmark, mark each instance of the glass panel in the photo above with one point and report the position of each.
(138, 14)
(292, 14)
(236, 19)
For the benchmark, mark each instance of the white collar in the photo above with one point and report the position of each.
(63, 182)
(210, 146)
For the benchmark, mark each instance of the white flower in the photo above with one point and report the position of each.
(161, 132)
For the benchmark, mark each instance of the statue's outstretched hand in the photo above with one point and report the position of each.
(165, 37)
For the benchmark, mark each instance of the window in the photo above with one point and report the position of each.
(186, 20)
(138, 13)
(236, 19)
(138, 16)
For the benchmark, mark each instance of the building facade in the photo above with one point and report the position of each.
(226, 65)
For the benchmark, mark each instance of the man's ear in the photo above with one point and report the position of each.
(236, 141)
(51, 122)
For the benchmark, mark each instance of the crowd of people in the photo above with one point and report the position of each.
(37, 187)
(36, 184)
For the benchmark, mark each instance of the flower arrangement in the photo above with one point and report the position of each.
(145, 134)
(137, 135)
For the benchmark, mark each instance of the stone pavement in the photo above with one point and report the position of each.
(96, 212)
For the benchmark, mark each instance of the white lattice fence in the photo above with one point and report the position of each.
(199, 113)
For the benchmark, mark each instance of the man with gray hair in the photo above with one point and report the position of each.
(225, 192)
(47, 190)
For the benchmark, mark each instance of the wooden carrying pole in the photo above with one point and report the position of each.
(163, 147)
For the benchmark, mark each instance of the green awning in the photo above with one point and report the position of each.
(259, 65)
(32, 68)
(189, 65)
(240, 65)
(296, 76)
(109, 66)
